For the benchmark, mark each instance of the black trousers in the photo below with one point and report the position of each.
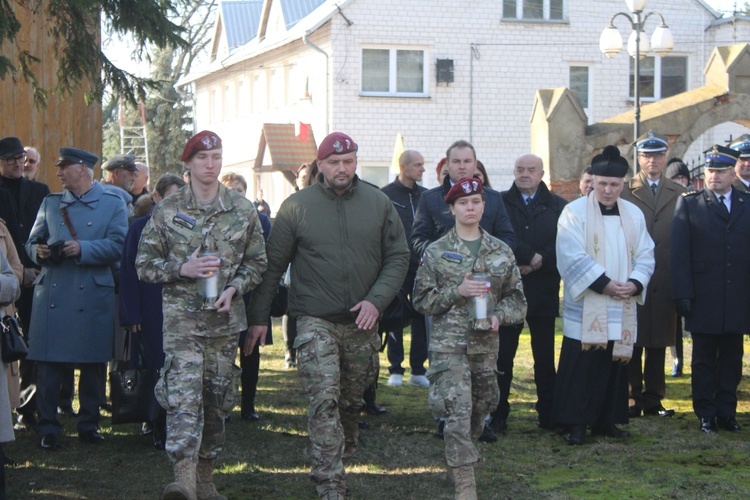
(49, 382)
(542, 329)
(716, 373)
(249, 379)
(417, 353)
(647, 381)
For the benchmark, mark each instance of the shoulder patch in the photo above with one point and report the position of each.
(452, 257)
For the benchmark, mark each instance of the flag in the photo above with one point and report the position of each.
(303, 131)
(398, 150)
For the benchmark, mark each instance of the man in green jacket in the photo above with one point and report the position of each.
(349, 257)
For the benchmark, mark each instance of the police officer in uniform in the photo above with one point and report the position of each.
(710, 238)
(742, 168)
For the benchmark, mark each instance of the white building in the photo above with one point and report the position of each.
(370, 68)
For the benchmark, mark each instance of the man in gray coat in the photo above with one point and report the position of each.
(77, 236)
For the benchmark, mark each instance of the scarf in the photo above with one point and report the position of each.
(595, 323)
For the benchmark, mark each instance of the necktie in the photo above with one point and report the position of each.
(723, 205)
(528, 200)
(653, 189)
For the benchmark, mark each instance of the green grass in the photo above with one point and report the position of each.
(400, 458)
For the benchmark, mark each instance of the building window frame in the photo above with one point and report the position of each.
(656, 74)
(587, 101)
(393, 52)
(552, 11)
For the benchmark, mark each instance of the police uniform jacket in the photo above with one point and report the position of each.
(741, 186)
(177, 227)
(445, 263)
(434, 218)
(535, 226)
(711, 262)
(343, 249)
(73, 307)
(657, 317)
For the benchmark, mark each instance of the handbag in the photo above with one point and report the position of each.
(280, 302)
(132, 391)
(398, 315)
(14, 347)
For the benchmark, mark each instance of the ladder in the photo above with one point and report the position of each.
(133, 139)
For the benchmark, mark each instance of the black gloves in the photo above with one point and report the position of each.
(683, 307)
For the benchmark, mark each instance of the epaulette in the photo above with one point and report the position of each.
(370, 183)
(689, 193)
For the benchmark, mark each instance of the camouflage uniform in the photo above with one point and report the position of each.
(199, 379)
(343, 249)
(463, 385)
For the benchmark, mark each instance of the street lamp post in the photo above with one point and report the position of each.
(610, 43)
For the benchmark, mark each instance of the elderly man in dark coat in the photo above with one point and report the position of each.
(77, 236)
(656, 196)
(710, 238)
(533, 212)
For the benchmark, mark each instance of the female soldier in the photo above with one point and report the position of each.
(463, 385)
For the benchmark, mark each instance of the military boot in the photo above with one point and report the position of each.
(206, 489)
(183, 487)
(466, 486)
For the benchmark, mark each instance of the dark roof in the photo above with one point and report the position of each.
(295, 10)
(241, 19)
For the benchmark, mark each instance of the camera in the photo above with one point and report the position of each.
(56, 255)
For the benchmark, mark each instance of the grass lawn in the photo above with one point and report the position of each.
(400, 458)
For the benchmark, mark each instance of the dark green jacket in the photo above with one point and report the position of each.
(343, 249)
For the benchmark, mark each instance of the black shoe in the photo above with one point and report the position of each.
(729, 424)
(677, 368)
(708, 425)
(440, 432)
(498, 424)
(634, 412)
(25, 422)
(252, 417)
(577, 435)
(487, 435)
(363, 425)
(658, 411)
(67, 410)
(49, 443)
(609, 431)
(91, 437)
(375, 409)
(106, 407)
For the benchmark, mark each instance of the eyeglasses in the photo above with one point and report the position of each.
(20, 159)
(659, 154)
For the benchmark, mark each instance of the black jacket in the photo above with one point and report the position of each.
(30, 197)
(405, 200)
(536, 230)
(711, 262)
(434, 219)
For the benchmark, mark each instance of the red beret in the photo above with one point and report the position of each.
(202, 141)
(464, 187)
(337, 143)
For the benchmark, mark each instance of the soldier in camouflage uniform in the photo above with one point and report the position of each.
(463, 385)
(199, 380)
(349, 257)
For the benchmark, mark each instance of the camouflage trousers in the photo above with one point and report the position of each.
(198, 386)
(336, 363)
(463, 390)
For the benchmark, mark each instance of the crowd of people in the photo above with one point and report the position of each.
(180, 276)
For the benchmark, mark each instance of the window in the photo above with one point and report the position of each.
(534, 10)
(581, 83)
(394, 72)
(660, 77)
